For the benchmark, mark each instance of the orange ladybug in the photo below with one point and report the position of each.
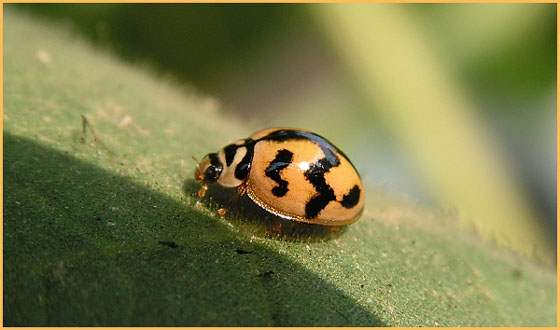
(292, 173)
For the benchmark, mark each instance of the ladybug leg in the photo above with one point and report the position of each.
(202, 191)
(241, 190)
(276, 226)
(333, 229)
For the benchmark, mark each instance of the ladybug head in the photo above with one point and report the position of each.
(209, 169)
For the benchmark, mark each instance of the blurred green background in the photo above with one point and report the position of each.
(452, 105)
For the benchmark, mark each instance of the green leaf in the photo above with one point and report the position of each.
(110, 232)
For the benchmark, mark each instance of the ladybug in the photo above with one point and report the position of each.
(292, 173)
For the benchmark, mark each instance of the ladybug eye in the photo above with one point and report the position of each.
(212, 173)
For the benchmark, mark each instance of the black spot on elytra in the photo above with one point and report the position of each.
(281, 161)
(316, 175)
(351, 199)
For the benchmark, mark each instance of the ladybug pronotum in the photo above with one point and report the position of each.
(292, 173)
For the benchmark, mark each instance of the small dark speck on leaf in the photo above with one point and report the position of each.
(413, 242)
(362, 286)
(170, 244)
(266, 274)
(239, 251)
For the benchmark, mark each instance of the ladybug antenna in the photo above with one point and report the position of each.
(197, 162)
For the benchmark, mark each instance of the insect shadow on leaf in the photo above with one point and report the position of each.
(247, 215)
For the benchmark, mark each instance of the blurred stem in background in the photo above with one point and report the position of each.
(402, 76)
